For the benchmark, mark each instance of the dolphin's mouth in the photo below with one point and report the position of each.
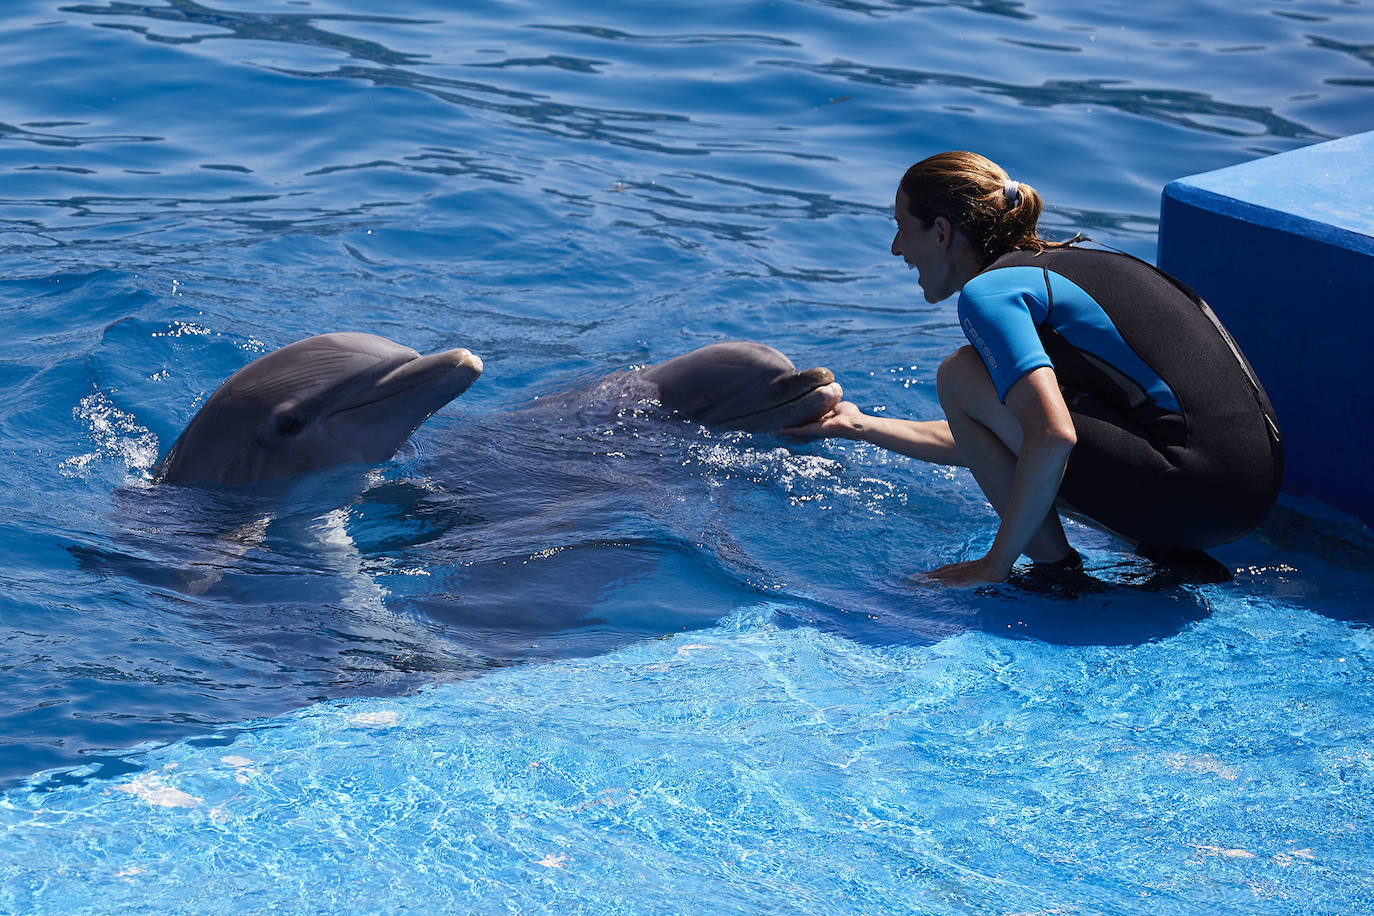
(823, 383)
(449, 373)
(789, 403)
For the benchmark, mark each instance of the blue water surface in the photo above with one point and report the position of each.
(562, 654)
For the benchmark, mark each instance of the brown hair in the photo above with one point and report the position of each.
(970, 191)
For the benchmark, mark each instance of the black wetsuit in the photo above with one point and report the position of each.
(1177, 442)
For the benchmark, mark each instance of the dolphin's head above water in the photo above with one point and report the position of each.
(741, 384)
(325, 400)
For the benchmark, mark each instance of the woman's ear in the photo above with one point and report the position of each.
(944, 232)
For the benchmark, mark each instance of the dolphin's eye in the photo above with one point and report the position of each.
(289, 424)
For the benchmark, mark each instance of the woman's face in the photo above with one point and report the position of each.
(924, 248)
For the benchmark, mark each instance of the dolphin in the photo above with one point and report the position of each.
(325, 400)
(742, 384)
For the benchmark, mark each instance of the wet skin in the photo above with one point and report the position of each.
(325, 400)
(744, 385)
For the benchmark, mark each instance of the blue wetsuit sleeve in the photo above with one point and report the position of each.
(999, 312)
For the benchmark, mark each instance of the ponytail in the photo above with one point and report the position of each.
(976, 195)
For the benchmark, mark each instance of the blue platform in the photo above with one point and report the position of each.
(1282, 248)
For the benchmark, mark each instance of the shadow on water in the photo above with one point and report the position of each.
(1310, 554)
(242, 602)
(1130, 602)
(1099, 608)
(197, 607)
(342, 574)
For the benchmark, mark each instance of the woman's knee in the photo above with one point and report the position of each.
(967, 393)
(961, 377)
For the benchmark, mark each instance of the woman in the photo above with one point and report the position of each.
(1091, 378)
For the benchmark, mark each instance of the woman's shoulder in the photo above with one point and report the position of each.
(1000, 280)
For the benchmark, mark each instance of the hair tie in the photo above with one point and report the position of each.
(1011, 191)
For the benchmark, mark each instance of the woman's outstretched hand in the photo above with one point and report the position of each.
(844, 421)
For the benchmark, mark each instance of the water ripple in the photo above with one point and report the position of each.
(1010, 9)
(24, 135)
(293, 28)
(619, 127)
(1360, 52)
(1181, 107)
(684, 39)
(515, 178)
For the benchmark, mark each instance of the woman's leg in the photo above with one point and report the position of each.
(988, 437)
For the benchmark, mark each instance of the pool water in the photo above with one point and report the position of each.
(562, 654)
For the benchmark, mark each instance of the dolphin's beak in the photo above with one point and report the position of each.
(452, 370)
(824, 395)
(799, 398)
(793, 386)
(428, 383)
(814, 394)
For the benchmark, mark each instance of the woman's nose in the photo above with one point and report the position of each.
(895, 239)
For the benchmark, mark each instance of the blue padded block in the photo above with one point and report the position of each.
(1282, 248)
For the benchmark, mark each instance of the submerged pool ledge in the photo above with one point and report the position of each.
(1282, 248)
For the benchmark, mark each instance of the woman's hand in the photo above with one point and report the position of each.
(845, 420)
(983, 571)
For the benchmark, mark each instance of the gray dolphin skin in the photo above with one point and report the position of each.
(742, 384)
(325, 400)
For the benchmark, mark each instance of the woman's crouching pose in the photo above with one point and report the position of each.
(1091, 379)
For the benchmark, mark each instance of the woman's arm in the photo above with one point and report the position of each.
(928, 440)
(1047, 438)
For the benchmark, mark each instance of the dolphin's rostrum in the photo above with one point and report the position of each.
(743, 384)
